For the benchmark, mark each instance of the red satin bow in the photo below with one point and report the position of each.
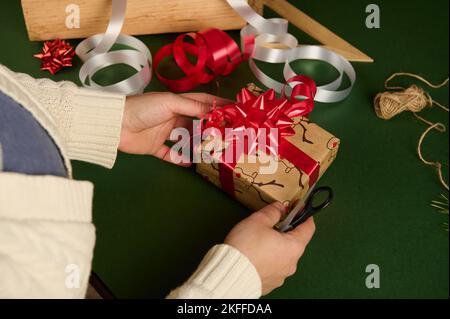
(263, 112)
(216, 52)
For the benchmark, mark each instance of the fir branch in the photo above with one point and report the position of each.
(441, 206)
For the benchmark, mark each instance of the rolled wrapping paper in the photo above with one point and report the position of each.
(261, 31)
(95, 53)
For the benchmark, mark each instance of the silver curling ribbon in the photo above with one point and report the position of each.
(96, 55)
(265, 31)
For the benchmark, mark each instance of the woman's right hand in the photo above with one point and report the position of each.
(275, 255)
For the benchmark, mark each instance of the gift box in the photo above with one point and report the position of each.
(257, 178)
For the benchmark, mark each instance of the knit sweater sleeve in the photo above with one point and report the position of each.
(47, 240)
(89, 121)
(46, 236)
(224, 273)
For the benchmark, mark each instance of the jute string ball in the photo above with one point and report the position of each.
(413, 99)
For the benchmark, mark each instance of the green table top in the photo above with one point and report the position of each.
(155, 221)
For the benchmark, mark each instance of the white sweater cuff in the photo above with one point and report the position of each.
(224, 273)
(48, 198)
(46, 236)
(95, 133)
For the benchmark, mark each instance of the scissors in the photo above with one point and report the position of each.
(306, 208)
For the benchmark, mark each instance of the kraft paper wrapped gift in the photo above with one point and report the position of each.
(311, 151)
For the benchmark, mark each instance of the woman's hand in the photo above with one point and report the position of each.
(275, 255)
(149, 119)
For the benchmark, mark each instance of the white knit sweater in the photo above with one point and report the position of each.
(46, 232)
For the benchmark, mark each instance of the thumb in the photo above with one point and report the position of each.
(304, 232)
(272, 213)
(188, 107)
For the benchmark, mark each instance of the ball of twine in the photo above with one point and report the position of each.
(413, 99)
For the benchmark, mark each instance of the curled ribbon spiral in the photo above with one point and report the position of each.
(96, 55)
(216, 52)
(261, 31)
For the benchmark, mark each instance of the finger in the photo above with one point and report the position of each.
(185, 122)
(188, 107)
(167, 154)
(207, 98)
(273, 212)
(304, 232)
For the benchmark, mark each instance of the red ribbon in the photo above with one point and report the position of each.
(55, 55)
(275, 116)
(216, 52)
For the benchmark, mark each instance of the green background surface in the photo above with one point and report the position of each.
(155, 221)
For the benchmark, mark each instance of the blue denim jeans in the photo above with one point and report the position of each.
(25, 147)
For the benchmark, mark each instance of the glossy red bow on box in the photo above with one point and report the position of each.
(271, 120)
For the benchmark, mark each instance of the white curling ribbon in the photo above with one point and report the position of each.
(276, 31)
(94, 52)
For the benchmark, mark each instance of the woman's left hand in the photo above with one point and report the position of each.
(149, 119)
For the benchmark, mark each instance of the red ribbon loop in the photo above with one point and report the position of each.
(216, 52)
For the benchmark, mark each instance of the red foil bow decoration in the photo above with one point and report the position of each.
(55, 55)
(272, 114)
(216, 52)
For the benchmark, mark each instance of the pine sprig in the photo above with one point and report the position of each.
(442, 207)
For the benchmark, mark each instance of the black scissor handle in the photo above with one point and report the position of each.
(322, 205)
(310, 209)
